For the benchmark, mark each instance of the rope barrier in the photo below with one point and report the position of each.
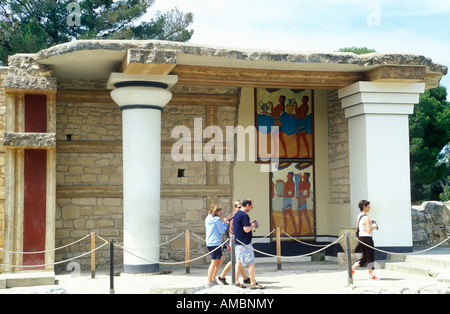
(396, 253)
(153, 247)
(171, 263)
(259, 240)
(314, 245)
(298, 256)
(56, 263)
(323, 247)
(51, 250)
(198, 237)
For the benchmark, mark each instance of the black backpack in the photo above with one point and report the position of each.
(357, 225)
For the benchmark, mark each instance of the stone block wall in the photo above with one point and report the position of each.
(81, 165)
(181, 213)
(338, 155)
(89, 122)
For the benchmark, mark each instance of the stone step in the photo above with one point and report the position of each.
(410, 268)
(429, 260)
(439, 257)
(26, 279)
(433, 264)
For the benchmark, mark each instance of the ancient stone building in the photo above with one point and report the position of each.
(131, 140)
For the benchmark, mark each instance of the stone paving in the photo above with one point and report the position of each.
(294, 278)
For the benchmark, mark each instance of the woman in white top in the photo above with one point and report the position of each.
(366, 227)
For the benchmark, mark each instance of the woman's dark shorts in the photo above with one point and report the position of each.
(217, 254)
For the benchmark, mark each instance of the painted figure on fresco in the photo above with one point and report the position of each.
(301, 113)
(303, 194)
(291, 112)
(288, 195)
(276, 113)
(292, 185)
(292, 204)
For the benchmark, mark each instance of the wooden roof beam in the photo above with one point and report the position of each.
(243, 77)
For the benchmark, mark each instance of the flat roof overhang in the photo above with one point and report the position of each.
(198, 65)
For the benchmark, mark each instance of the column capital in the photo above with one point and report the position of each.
(380, 98)
(118, 78)
(132, 91)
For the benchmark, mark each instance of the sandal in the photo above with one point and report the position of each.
(257, 286)
(239, 285)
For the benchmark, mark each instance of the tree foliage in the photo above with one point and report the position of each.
(445, 182)
(429, 129)
(357, 50)
(28, 26)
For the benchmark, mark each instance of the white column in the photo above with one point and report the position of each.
(141, 99)
(379, 156)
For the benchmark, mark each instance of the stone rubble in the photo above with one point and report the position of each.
(431, 223)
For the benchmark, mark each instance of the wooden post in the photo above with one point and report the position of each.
(349, 259)
(187, 253)
(278, 248)
(92, 255)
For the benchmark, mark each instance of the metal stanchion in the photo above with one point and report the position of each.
(233, 260)
(187, 251)
(111, 266)
(349, 259)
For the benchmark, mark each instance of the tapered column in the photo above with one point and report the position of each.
(30, 199)
(379, 156)
(141, 99)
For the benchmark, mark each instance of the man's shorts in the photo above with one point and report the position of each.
(245, 254)
(217, 254)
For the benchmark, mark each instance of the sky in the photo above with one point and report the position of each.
(388, 26)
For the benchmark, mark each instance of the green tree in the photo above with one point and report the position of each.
(429, 129)
(445, 182)
(357, 50)
(28, 26)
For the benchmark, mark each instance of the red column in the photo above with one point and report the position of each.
(35, 174)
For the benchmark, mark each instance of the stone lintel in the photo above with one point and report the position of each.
(404, 74)
(29, 140)
(412, 74)
(30, 84)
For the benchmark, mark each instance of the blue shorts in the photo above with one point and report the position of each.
(245, 255)
(217, 254)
